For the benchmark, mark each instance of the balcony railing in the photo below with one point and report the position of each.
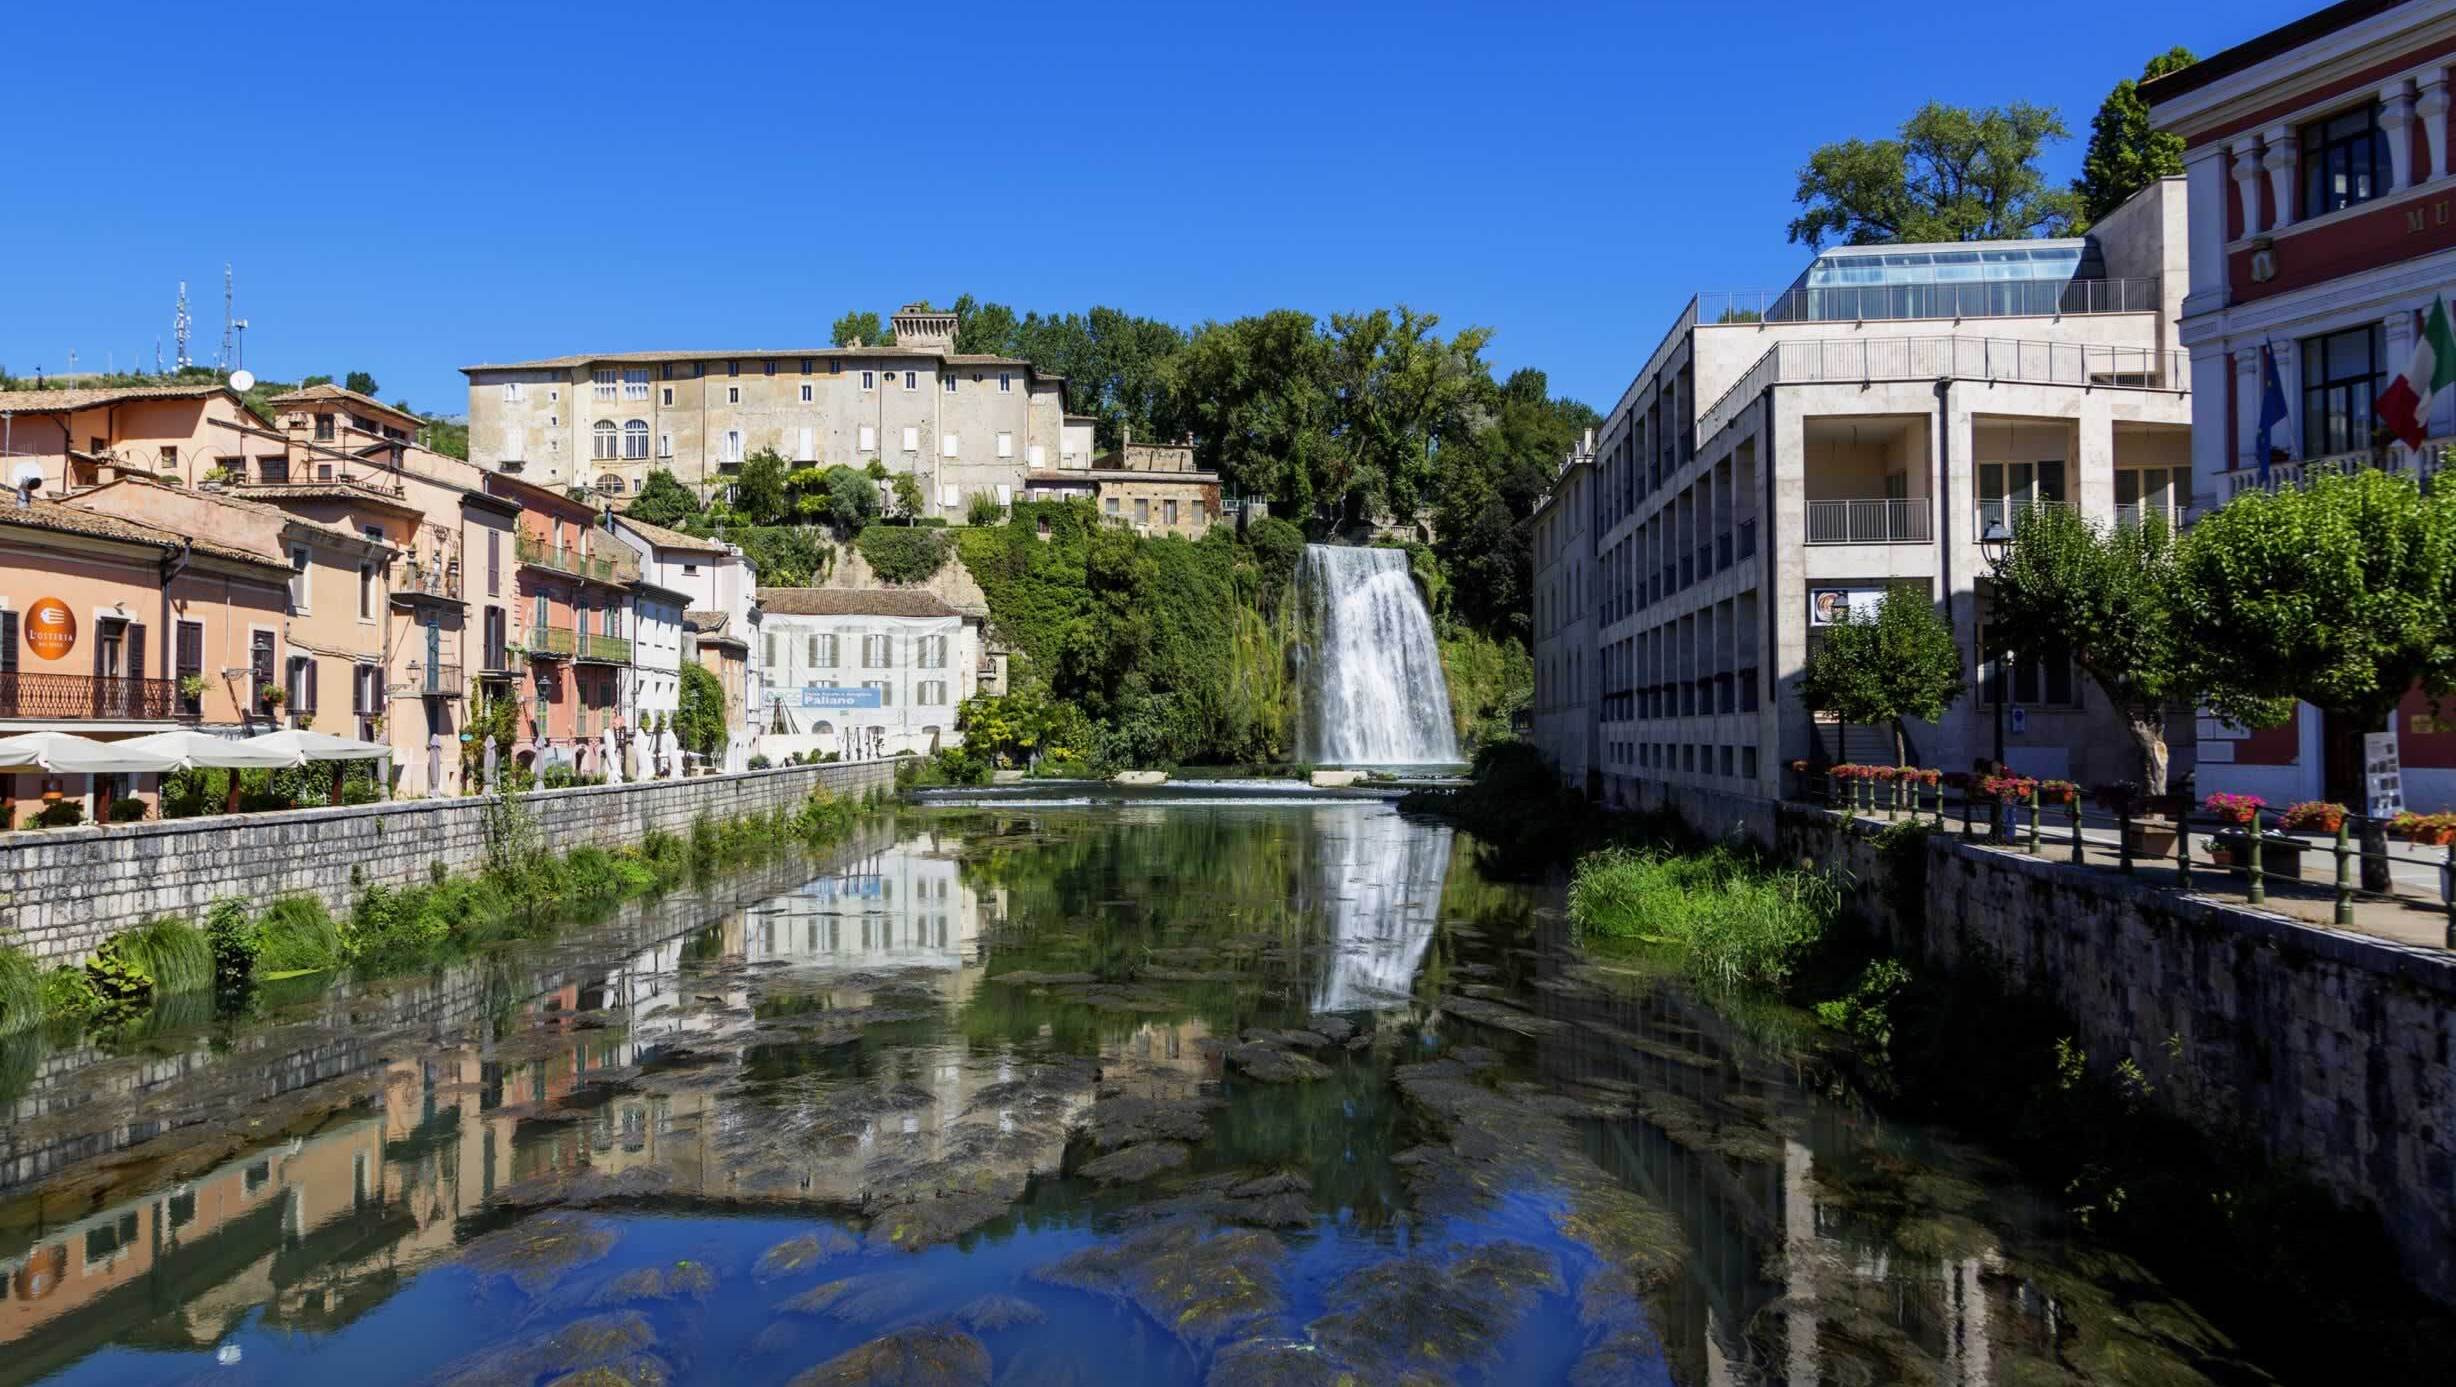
(553, 642)
(2126, 516)
(1882, 520)
(435, 680)
(2435, 456)
(1867, 303)
(605, 650)
(617, 567)
(2008, 511)
(101, 698)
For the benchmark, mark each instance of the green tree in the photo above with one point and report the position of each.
(2337, 593)
(1953, 174)
(2125, 155)
(1256, 392)
(1485, 495)
(761, 495)
(851, 498)
(361, 382)
(906, 490)
(986, 329)
(2104, 597)
(1881, 671)
(784, 556)
(664, 500)
(863, 328)
(699, 717)
(1403, 394)
(305, 381)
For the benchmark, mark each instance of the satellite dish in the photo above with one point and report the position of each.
(242, 381)
(27, 473)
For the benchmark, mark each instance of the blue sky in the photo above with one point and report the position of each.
(409, 192)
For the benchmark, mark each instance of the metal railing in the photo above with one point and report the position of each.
(430, 578)
(1881, 520)
(1868, 303)
(436, 680)
(2432, 458)
(86, 696)
(618, 566)
(553, 642)
(2126, 516)
(2008, 512)
(1867, 359)
(611, 650)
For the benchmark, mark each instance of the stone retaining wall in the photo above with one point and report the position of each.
(64, 891)
(2337, 1051)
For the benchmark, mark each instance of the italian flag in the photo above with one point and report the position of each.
(2405, 406)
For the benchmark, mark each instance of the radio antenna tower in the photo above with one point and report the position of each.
(179, 330)
(157, 353)
(232, 324)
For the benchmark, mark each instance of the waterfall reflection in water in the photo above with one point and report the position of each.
(903, 1075)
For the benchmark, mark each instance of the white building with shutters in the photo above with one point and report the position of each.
(864, 672)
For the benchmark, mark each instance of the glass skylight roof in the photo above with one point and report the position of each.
(2047, 260)
(1984, 279)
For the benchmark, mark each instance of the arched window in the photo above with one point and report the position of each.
(610, 484)
(603, 436)
(635, 440)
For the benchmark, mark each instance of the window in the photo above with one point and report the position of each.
(733, 394)
(732, 447)
(366, 690)
(808, 392)
(947, 445)
(947, 383)
(823, 651)
(497, 640)
(869, 380)
(2145, 491)
(770, 645)
(298, 578)
(912, 440)
(665, 396)
(513, 393)
(324, 428)
(768, 368)
(665, 445)
(1142, 511)
(366, 590)
(2344, 160)
(1111, 504)
(930, 652)
(886, 691)
(494, 563)
(1168, 512)
(300, 684)
(733, 368)
(2005, 489)
(868, 438)
(187, 659)
(2035, 680)
(2340, 383)
(878, 652)
(912, 380)
(1006, 445)
(1197, 517)
(602, 435)
(1006, 383)
(602, 383)
(635, 439)
(835, 368)
(635, 383)
(930, 693)
(1035, 457)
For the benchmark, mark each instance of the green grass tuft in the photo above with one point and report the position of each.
(1741, 921)
(21, 991)
(296, 934)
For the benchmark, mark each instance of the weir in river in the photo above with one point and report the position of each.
(1374, 694)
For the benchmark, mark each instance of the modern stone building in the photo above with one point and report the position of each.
(1564, 617)
(1782, 456)
(961, 424)
(2322, 185)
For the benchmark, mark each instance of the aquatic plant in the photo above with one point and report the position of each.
(296, 934)
(231, 932)
(1741, 921)
(21, 990)
(164, 954)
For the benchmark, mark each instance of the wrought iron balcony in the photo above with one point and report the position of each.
(605, 650)
(552, 642)
(98, 698)
(412, 577)
(436, 680)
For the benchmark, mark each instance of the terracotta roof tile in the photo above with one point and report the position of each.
(54, 401)
(853, 602)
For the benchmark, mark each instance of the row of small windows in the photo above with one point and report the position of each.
(1689, 758)
(632, 383)
(877, 652)
(631, 439)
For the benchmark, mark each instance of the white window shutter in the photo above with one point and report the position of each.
(912, 440)
(1006, 445)
(869, 437)
(948, 496)
(946, 445)
(810, 444)
(1036, 456)
(1006, 496)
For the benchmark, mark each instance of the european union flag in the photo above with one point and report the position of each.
(2272, 406)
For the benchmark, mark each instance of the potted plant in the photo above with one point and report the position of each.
(2058, 792)
(2314, 816)
(2231, 846)
(191, 687)
(2428, 830)
(272, 697)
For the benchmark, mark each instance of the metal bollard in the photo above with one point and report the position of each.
(1939, 788)
(2259, 878)
(2123, 837)
(2448, 888)
(2345, 877)
(2033, 834)
(2183, 849)
(2072, 806)
(1969, 814)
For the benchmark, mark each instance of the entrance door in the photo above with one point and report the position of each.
(2341, 761)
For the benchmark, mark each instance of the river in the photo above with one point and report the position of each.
(1026, 1091)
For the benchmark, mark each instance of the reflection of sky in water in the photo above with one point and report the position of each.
(1381, 879)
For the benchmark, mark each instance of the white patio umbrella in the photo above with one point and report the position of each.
(64, 753)
(610, 758)
(306, 745)
(194, 748)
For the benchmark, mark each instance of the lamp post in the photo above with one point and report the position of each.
(1995, 542)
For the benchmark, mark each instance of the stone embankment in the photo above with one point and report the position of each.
(64, 891)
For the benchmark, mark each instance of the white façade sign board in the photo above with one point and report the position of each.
(1827, 604)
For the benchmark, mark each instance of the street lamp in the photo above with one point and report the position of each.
(1995, 542)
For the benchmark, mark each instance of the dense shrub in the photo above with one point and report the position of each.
(66, 813)
(21, 990)
(1741, 921)
(903, 553)
(126, 810)
(296, 934)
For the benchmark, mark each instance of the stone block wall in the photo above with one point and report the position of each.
(2335, 1050)
(64, 891)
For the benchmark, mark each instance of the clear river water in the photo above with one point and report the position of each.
(1026, 1092)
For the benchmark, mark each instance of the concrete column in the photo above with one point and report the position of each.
(2279, 161)
(2205, 194)
(2247, 182)
(2246, 404)
(2430, 104)
(2093, 445)
(2209, 460)
(2395, 118)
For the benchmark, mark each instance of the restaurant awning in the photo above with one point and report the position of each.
(64, 753)
(193, 748)
(305, 745)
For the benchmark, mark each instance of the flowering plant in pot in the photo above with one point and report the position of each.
(2431, 830)
(1924, 776)
(2316, 815)
(2058, 792)
(2010, 789)
(2239, 810)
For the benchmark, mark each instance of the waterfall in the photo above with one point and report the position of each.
(1374, 695)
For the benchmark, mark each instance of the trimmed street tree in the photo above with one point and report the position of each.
(2105, 597)
(1901, 664)
(2336, 593)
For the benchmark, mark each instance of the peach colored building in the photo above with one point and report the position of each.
(84, 436)
(160, 630)
(574, 591)
(331, 670)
